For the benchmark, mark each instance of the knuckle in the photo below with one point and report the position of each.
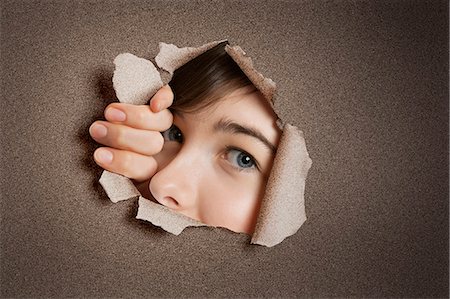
(166, 120)
(169, 118)
(120, 137)
(124, 163)
(141, 116)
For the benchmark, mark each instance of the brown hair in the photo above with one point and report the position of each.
(206, 79)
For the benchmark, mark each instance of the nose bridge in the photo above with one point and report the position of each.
(186, 164)
(177, 184)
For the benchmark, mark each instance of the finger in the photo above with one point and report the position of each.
(122, 137)
(126, 163)
(139, 117)
(163, 99)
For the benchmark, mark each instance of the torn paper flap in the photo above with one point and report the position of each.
(282, 209)
(170, 57)
(283, 205)
(164, 217)
(265, 85)
(135, 79)
(118, 187)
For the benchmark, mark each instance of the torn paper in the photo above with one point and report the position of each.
(118, 187)
(135, 79)
(265, 85)
(170, 57)
(282, 209)
(283, 205)
(164, 217)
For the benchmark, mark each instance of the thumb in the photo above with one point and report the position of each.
(162, 99)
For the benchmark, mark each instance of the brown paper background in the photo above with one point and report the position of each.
(366, 82)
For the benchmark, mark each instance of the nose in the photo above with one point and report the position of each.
(176, 185)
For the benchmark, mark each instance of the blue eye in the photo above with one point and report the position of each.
(240, 159)
(173, 134)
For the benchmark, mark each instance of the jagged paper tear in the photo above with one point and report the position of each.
(164, 217)
(170, 57)
(283, 205)
(135, 79)
(282, 210)
(265, 85)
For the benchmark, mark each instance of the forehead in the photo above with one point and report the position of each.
(245, 106)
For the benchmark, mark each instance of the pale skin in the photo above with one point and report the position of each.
(211, 165)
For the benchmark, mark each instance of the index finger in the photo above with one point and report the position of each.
(162, 99)
(138, 117)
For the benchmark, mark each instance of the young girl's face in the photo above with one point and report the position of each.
(215, 163)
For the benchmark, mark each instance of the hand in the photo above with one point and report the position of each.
(131, 134)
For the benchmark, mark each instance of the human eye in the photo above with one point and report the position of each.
(173, 134)
(241, 160)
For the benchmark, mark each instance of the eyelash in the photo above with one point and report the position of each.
(256, 167)
(167, 134)
(228, 149)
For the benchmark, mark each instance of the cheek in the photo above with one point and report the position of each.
(232, 203)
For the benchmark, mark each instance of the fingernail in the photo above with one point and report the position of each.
(98, 131)
(115, 114)
(103, 156)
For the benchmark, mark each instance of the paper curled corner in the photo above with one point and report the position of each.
(282, 209)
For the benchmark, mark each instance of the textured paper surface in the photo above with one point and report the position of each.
(170, 57)
(164, 217)
(282, 210)
(135, 79)
(367, 84)
(118, 187)
(283, 205)
(265, 85)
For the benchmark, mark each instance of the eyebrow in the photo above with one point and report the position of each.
(229, 126)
